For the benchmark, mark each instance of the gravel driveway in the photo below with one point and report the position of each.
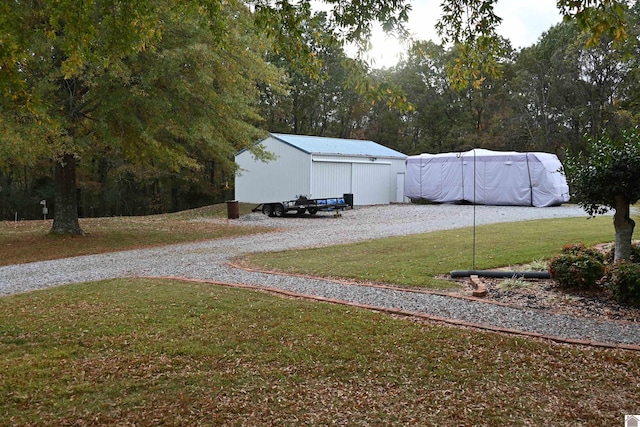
(208, 261)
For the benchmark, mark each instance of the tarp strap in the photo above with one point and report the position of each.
(420, 175)
(526, 156)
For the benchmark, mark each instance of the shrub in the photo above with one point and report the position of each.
(624, 280)
(577, 267)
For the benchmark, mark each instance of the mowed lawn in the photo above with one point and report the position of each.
(160, 352)
(28, 241)
(153, 352)
(417, 260)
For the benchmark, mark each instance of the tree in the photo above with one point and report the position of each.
(57, 60)
(422, 75)
(178, 108)
(317, 101)
(472, 24)
(56, 56)
(609, 179)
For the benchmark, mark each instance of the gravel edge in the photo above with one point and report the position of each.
(207, 261)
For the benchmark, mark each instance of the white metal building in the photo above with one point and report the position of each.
(321, 167)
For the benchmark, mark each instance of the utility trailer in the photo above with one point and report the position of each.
(303, 204)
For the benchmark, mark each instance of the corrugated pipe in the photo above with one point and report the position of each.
(501, 274)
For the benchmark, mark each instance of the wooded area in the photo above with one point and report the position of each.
(151, 123)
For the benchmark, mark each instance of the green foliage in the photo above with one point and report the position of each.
(473, 23)
(354, 19)
(513, 283)
(285, 23)
(317, 101)
(547, 97)
(608, 169)
(623, 279)
(577, 267)
(538, 265)
(467, 20)
(162, 108)
(603, 17)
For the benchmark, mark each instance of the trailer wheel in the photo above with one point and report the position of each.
(278, 210)
(312, 211)
(300, 211)
(267, 210)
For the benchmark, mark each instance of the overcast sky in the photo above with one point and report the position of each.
(523, 22)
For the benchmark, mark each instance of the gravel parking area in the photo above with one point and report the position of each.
(208, 261)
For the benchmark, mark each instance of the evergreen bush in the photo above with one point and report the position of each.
(577, 267)
(624, 280)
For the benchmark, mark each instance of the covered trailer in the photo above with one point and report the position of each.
(487, 177)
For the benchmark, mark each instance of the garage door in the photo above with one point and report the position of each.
(330, 179)
(370, 183)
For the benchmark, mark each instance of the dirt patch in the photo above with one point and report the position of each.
(546, 295)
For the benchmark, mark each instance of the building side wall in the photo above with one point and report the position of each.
(280, 179)
(396, 186)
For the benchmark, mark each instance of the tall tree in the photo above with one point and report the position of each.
(189, 102)
(55, 56)
(548, 87)
(318, 100)
(473, 24)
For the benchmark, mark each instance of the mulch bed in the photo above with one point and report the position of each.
(546, 295)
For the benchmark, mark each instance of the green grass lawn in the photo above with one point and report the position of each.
(160, 352)
(153, 352)
(417, 259)
(27, 241)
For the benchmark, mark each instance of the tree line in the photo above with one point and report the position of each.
(133, 109)
(546, 97)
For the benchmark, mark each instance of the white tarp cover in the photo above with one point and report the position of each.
(500, 178)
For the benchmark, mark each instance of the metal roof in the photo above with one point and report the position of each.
(338, 146)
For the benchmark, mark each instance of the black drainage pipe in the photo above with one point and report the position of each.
(501, 274)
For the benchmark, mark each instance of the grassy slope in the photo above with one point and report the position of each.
(134, 352)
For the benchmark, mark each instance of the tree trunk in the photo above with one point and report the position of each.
(65, 218)
(623, 225)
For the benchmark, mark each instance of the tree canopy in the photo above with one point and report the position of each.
(146, 82)
(607, 177)
(159, 84)
(472, 24)
(152, 123)
(609, 168)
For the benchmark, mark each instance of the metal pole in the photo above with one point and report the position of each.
(474, 209)
(473, 264)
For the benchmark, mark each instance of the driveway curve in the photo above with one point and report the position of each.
(208, 261)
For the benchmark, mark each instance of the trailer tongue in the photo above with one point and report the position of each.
(303, 204)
